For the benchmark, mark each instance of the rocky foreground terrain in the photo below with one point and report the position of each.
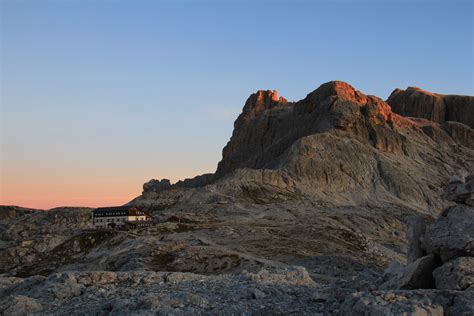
(340, 203)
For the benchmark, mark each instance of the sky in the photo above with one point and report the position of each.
(98, 97)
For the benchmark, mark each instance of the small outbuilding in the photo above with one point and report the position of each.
(120, 216)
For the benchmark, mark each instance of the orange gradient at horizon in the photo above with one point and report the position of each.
(68, 189)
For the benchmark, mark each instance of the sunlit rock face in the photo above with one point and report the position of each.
(269, 125)
(260, 101)
(415, 102)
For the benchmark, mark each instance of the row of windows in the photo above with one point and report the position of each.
(116, 213)
(111, 214)
(100, 220)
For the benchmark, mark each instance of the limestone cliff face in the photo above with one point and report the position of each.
(268, 126)
(342, 146)
(338, 146)
(415, 102)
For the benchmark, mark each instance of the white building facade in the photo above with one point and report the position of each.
(119, 216)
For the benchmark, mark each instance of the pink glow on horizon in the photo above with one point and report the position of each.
(40, 191)
(39, 203)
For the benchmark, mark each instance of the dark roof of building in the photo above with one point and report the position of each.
(129, 210)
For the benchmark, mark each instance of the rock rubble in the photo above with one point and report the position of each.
(444, 267)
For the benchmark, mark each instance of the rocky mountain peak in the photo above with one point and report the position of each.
(337, 140)
(260, 101)
(414, 89)
(339, 89)
(267, 127)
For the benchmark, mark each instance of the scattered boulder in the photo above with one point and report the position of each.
(97, 277)
(457, 274)
(446, 271)
(279, 291)
(452, 235)
(417, 275)
(413, 303)
(291, 275)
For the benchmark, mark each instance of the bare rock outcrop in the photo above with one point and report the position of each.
(457, 274)
(20, 305)
(409, 302)
(416, 275)
(280, 291)
(415, 102)
(452, 235)
(460, 132)
(156, 185)
(448, 243)
(25, 236)
(460, 191)
(440, 283)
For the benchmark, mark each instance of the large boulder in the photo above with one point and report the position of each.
(452, 235)
(417, 275)
(441, 255)
(457, 274)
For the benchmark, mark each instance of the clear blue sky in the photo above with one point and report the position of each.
(100, 96)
